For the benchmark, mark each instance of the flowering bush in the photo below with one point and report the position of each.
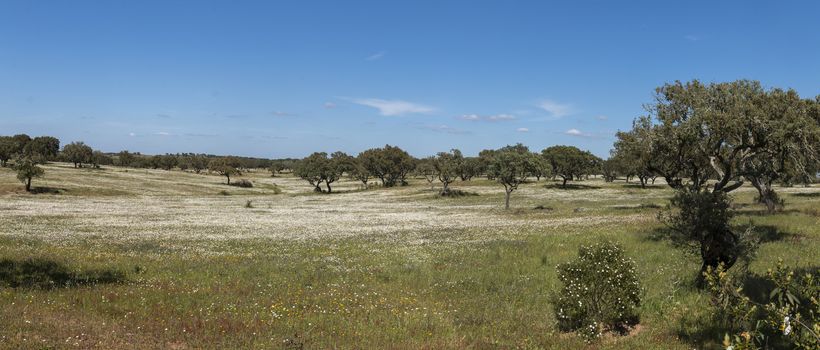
(601, 292)
(788, 320)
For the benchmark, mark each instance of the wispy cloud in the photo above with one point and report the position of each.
(163, 133)
(489, 118)
(602, 117)
(577, 133)
(393, 107)
(522, 130)
(163, 116)
(445, 129)
(376, 56)
(200, 135)
(555, 109)
(691, 37)
(132, 134)
(329, 105)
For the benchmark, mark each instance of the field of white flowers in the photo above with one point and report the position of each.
(207, 265)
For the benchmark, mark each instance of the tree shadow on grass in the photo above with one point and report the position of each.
(771, 233)
(762, 233)
(809, 194)
(763, 212)
(648, 187)
(701, 331)
(46, 190)
(639, 206)
(571, 187)
(49, 274)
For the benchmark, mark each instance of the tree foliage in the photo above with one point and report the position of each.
(225, 166)
(510, 166)
(78, 153)
(569, 162)
(42, 148)
(27, 169)
(390, 164)
(318, 168)
(706, 140)
(447, 167)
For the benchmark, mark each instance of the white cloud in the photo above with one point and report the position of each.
(691, 37)
(376, 56)
(577, 133)
(393, 107)
(522, 130)
(556, 109)
(489, 118)
(602, 117)
(162, 133)
(132, 134)
(329, 105)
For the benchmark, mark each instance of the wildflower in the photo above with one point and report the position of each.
(787, 327)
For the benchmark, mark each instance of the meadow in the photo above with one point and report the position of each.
(176, 260)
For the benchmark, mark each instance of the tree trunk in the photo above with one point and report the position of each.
(28, 184)
(564, 185)
(229, 179)
(507, 200)
(445, 190)
(328, 187)
(765, 194)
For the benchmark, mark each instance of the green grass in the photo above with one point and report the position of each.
(433, 282)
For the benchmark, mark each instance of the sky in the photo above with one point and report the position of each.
(279, 79)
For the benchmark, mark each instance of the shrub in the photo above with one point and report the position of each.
(242, 183)
(601, 292)
(700, 222)
(789, 320)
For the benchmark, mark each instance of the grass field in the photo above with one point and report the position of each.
(195, 263)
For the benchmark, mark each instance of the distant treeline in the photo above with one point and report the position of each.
(47, 148)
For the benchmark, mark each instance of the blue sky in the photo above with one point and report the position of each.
(286, 78)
